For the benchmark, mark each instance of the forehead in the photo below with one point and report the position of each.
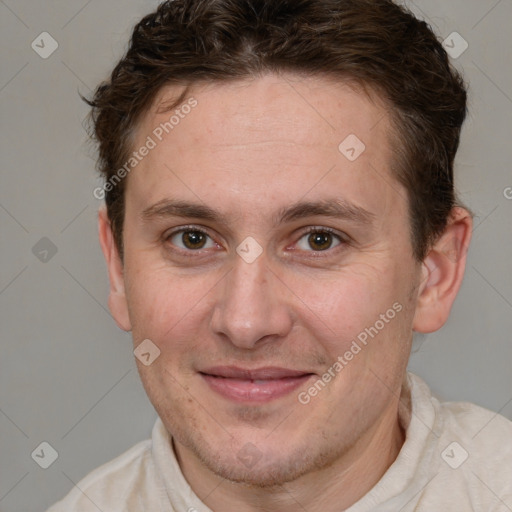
(275, 102)
(272, 133)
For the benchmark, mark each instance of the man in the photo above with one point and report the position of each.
(280, 218)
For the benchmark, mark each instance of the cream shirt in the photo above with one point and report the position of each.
(456, 457)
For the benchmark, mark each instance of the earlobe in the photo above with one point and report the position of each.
(117, 297)
(442, 273)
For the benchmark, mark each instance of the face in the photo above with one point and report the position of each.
(273, 269)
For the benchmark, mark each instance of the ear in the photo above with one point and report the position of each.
(442, 273)
(117, 298)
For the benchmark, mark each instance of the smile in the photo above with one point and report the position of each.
(255, 386)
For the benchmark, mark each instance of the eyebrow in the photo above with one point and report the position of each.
(335, 208)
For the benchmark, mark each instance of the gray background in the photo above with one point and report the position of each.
(68, 375)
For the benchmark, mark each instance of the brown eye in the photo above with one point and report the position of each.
(190, 239)
(318, 240)
(193, 239)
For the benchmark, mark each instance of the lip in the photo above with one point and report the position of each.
(258, 385)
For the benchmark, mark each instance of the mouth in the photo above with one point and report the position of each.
(253, 385)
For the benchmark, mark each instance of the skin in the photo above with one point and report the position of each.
(249, 150)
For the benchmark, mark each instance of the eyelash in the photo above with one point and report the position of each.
(343, 239)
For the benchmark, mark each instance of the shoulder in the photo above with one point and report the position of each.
(485, 432)
(472, 450)
(476, 425)
(110, 486)
(477, 444)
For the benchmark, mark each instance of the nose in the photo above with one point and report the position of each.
(252, 306)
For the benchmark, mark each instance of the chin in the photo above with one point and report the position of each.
(264, 470)
(261, 475)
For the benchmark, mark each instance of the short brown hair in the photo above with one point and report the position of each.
(375, 43)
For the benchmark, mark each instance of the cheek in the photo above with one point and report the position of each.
(340, 309)
(164, 306)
